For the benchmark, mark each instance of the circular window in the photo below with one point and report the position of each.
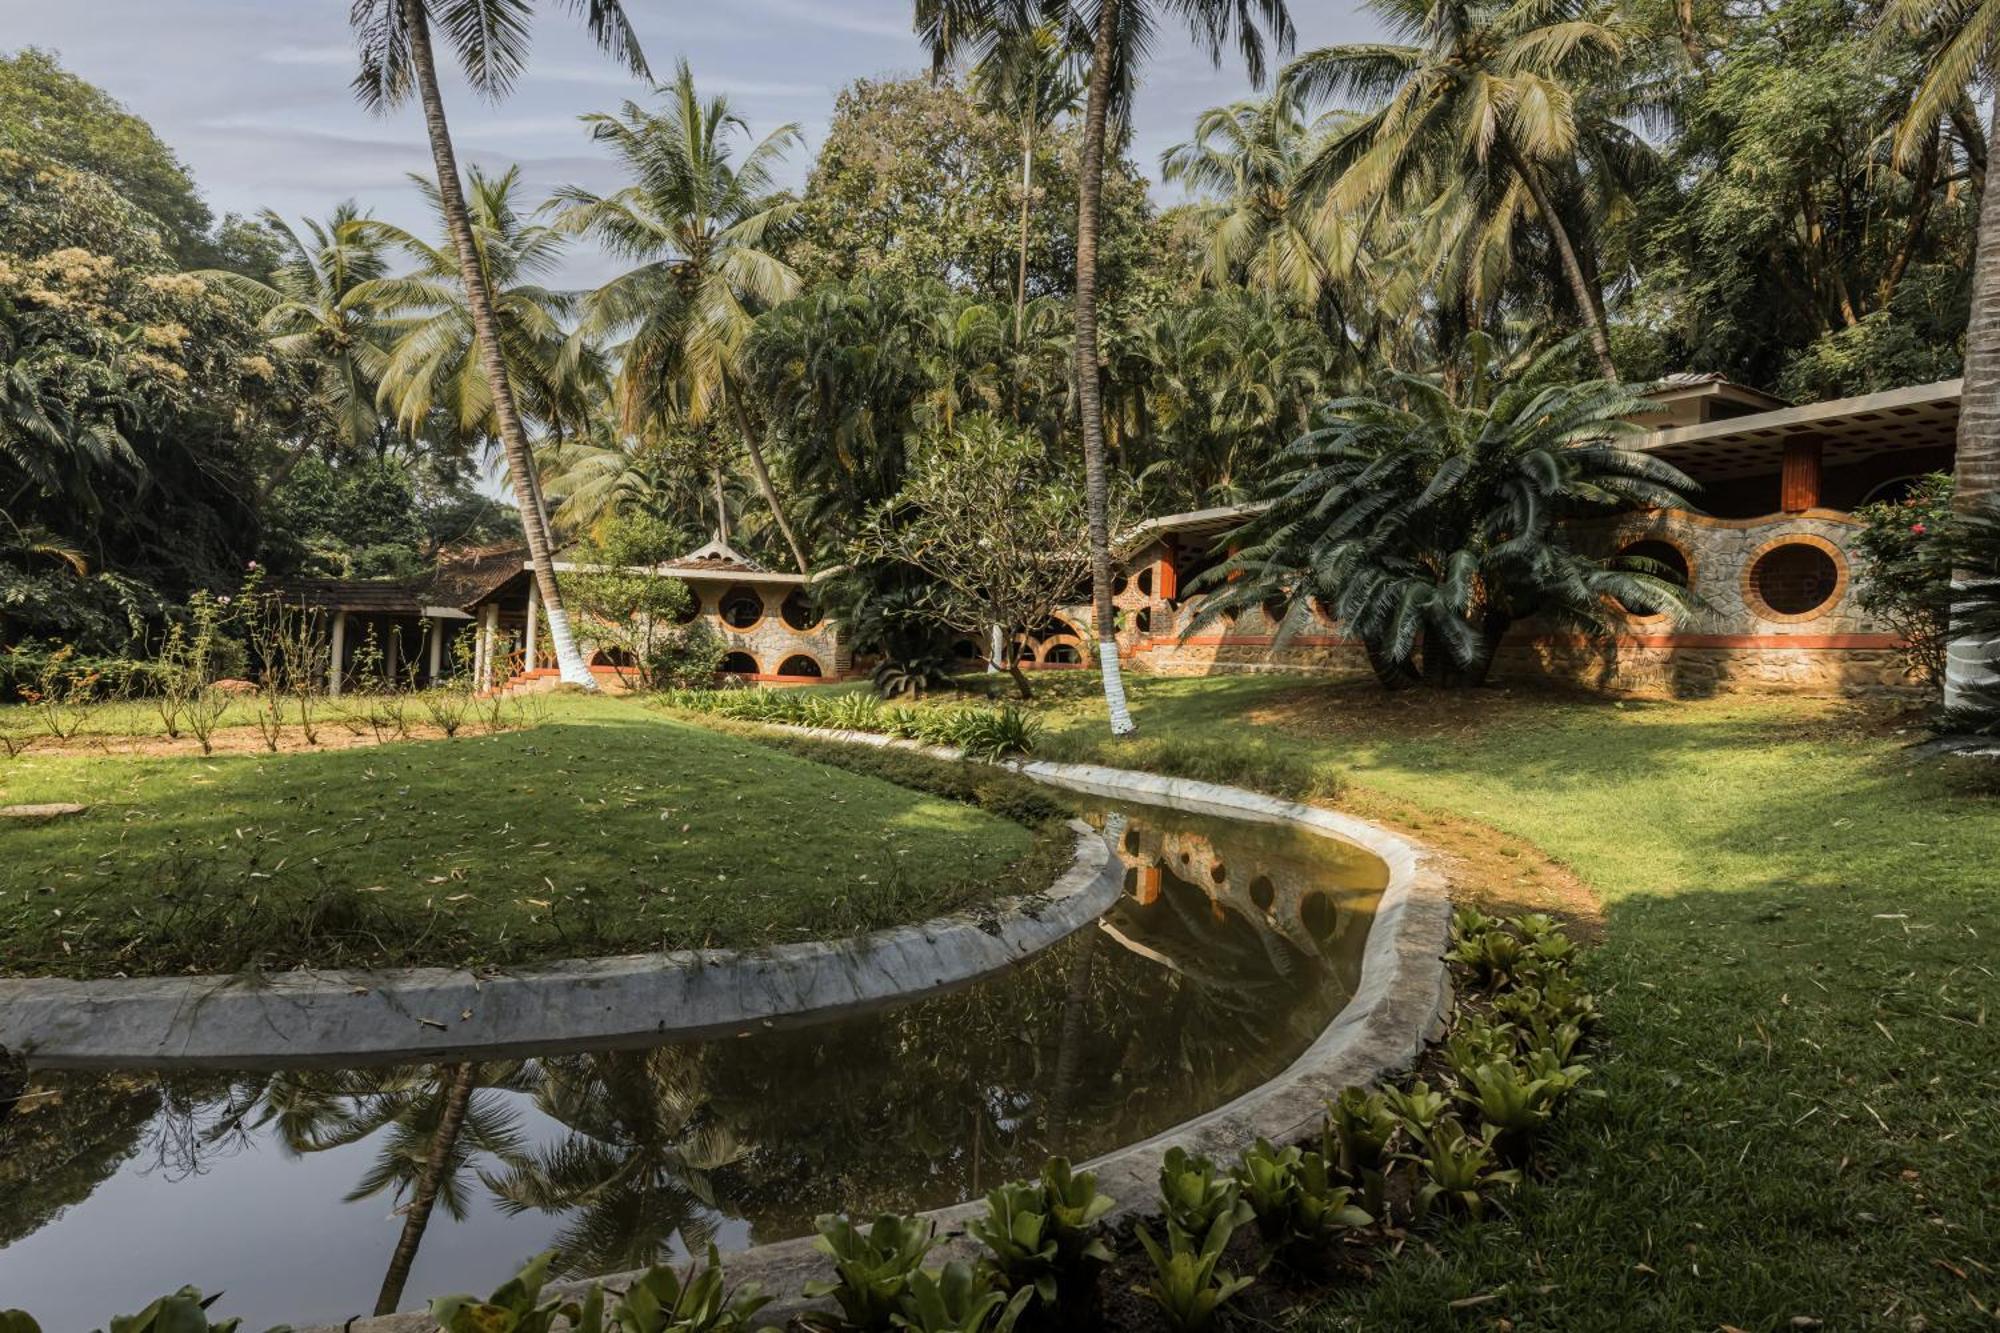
(738, 664)
(1117, 584)
(1146, 580)
(1218, 872)
(798, 664)
(1142, 620)
(1794, 578)
(741, 608)
(1662, 560)
(799, 611)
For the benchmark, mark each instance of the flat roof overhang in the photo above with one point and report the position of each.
(1922, 416)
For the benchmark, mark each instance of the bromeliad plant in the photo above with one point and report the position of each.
(1293, 1195)
(1196, 1196)
(874, 1268)
(1189, 1284)
(1461, 1169)
(960, 1299)
(663, 1301)
(1045, 1235)
(1359, 1130)
(516, 1306)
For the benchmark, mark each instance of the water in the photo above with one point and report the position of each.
(1233, 946)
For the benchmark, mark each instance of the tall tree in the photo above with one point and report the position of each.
(1028, 78)
(1118, 36)
(490, 38)
(1964, 37)
(1476, 102)
(701, 225)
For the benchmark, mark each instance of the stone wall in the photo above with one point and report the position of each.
(771, 641)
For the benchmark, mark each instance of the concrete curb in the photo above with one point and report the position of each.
(1398, 1007)
(303, 1019)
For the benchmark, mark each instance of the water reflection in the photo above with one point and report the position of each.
(1231, 948)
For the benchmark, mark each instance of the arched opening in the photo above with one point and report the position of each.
(798, 664)
(1323, 609)
(739, 664)
(965, 650)
(1118, 583)
(1142, 620)
(1793, 580)
(741, 608)
(1660, 558)
(1062, 654)
(614, 657)
(799, 611)
(1274, 609)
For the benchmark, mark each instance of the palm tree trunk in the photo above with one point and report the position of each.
(1580, 287)
(1972, 666)
(444, 1145)
(1090, 183)
(1021, 273)
(486, 335)
(763, 476)
(721, 505)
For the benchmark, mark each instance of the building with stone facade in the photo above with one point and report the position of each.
(1768, 557)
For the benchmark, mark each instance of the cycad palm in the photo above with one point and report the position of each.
(1427, 521)
(700, 224)
(490, 38)
(321, 308)
(1478, 101)
(1964, 36)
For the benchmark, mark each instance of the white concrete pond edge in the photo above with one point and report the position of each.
(1400, 1005)
(418, 1015)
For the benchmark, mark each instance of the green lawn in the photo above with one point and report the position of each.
(605, 828)
(1801, 974)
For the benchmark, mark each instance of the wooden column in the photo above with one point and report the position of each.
(337, 666)
(1167, 583)
(1799, 481)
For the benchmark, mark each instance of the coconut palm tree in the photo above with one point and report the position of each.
(1261, 232)
(321, 308)
(1427, 518)
(700, 224)
(1028, 78)
(1117, 33)
(434, 371)
(490, 38)
(1964, 38)
(1478, 101)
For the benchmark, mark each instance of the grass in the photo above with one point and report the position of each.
(1801, 975)
(606, 828)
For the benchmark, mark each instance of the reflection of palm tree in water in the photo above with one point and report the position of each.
(634, 1166)
(437, 1127)
(1070, 1041)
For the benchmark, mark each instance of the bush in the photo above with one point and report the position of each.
(684, 657)
(1904, 572)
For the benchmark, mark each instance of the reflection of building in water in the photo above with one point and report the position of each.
(1292, 896)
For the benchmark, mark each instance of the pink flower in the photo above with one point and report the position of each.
(1918, 529)
(251, 565)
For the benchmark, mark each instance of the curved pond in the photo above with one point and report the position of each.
(1233, 946)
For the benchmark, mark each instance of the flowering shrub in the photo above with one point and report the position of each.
(1904, 571)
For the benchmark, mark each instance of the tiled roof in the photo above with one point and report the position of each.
(463, 579)
(718, 557)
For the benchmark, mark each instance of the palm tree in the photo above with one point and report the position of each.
(1028, 78)
(491, 40)
(962, 354)
(321, 308)
(434, 371)
(700, 225)
(1964, 37)
(1262, 230)
(1480, 102)
(1426, 522)
(1118, 32)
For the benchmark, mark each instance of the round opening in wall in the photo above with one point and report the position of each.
(1146, 581)
(965, 650)
(738, 664)
(690, 609)
(1117, 584)
(799, 612)
(1317, 915)
(1659, 559)
(1794, 579)
(1262, 894)
(741, 608)
(798, 664)
(1142, 620)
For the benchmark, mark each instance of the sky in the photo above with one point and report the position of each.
(253, 94)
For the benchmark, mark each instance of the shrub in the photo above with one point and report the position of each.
(873, 1268)
(1903, 572)
(1188, 1283)
(683, 657)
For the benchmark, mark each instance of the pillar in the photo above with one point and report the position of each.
(392, 666)
(489, 640)
(1799, 480)
(437, 648)
(996, 649)
(1146, 887)
(336, 667)
(529, 658)
(1167, 583)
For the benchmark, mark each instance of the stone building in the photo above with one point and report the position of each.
(1768, 557)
